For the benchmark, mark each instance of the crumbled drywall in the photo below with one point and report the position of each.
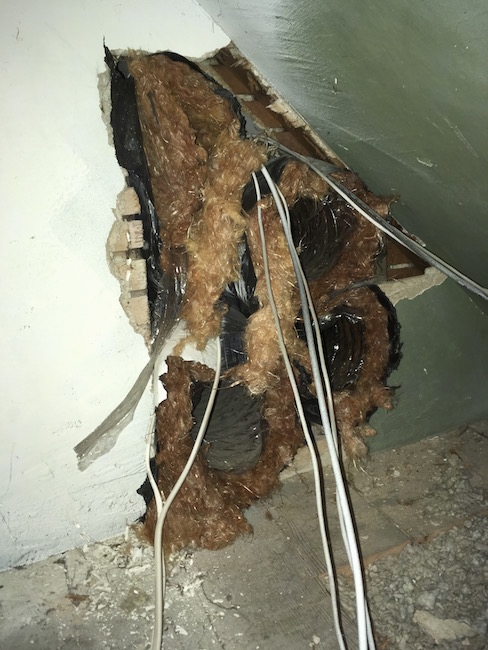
(410, 288)
(124, 243)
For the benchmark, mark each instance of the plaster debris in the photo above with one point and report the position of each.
(101, 596)
(442, 629)
(410, 288)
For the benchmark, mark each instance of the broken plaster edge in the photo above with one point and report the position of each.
(281, 106)
(395, 290)
(135, 307)
(410, 288)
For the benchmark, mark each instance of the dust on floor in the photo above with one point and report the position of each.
(421, 515)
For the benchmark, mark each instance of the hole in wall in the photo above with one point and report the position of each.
(185, 245)
(135, 237)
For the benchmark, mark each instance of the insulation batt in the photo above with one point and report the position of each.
(261, 338)
(199, 162)
(199, 165)
(208, 511)
(217, 229)
(176, 161)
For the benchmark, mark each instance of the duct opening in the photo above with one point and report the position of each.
(184, 145)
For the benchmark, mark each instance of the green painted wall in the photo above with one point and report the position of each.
(443, 376)
(400, 92)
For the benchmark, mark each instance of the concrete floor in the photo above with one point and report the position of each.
(267, 591)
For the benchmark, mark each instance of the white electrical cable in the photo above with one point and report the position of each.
(330, 404)
(149, 450)
(318, 338)
(303, 421)
(160, 570)
(345, 518)
(350, 541)
(389, 229)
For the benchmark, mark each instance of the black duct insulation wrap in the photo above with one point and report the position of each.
(165, 289)
(240, 302)
(343, 336)
(322, 229)
(234, 438)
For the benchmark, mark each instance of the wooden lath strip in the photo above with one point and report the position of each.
(271, 112)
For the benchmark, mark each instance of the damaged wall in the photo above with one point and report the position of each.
(400, 93)
(443, 375)
(68, 352)
(191, 133)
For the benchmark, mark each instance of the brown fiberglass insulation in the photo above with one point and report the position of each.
(264, 357)
(176, 161)
(216, 231)
(199, 164)
(208, 511)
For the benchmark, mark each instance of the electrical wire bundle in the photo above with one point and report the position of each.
(312, 332)
(327, 418)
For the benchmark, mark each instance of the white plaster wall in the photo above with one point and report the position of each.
(68, 354)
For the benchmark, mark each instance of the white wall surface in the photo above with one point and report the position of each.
(68, 354)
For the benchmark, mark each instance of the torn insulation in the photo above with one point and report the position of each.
(199, 164)
(191, 163)
(208, 510)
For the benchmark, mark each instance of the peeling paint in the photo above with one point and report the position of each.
(425, 161)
